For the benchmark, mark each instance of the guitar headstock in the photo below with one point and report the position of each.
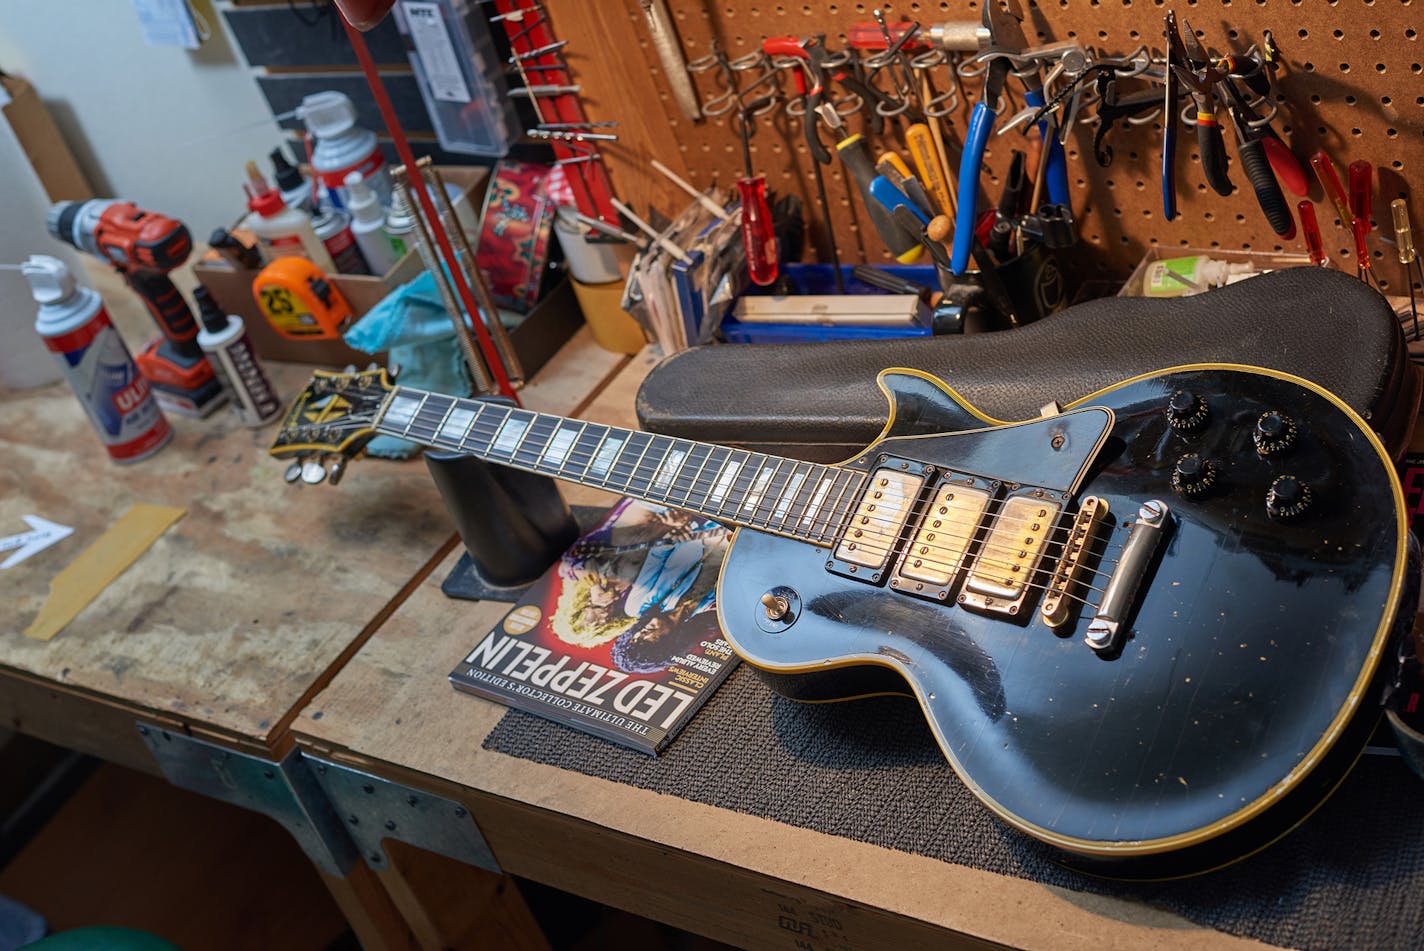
(333, 417)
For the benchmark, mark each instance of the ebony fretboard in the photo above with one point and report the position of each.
(770, 493)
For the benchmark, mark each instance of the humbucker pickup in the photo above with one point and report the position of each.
(874, 529)
(935, 555)
(999, 578)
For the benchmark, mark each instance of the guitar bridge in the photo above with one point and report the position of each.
(998, 581)
(1058, 602)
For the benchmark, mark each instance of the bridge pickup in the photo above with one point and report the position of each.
(935, 555)
(999, 578)
(874, 530)
(1058, 603)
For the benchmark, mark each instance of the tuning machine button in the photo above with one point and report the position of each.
(336, 469)
(1187, 412)
(1193, 475)
(293, 472)
(313, 472)
(1275, 432)
(1287, 497)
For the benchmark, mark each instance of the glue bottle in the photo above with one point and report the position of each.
(93, 359)
(342, 147)
(295, 187)
(368, 223)
(224, 339)
(281, 231)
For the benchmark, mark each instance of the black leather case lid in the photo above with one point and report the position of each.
(817, 400)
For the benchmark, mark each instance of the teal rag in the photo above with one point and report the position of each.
(412, 325)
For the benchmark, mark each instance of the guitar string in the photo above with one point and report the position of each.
(909, 525)
(980, 558)
(985, 558)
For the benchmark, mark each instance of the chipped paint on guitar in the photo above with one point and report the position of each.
(1243, 685)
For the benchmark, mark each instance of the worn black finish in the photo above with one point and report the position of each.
(1244, 692)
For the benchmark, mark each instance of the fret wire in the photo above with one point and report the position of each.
(740, 497)
(411, 421)
(831, 505)
(528, 428)
(448, 410)
(808, 487)
(696, 476)
(549, 441)
(538, 420)
(764, 477)
(633, 474)
(768, 495)
(479, 408)
(839, 513)
(681, 464)
(573, 447)
(588, 467)
(652, 479)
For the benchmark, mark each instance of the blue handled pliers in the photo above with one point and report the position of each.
(999, 34)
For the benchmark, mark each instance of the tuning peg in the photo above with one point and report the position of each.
(349, 368)
(372, 367)
(312, 472)
(337, 469)
(393, 370)
(293, 473)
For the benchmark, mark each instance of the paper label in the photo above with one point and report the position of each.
(436, 52)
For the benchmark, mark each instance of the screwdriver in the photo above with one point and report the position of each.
(1310, 228)
(1361, 173)
(758, 234)
(1404, 241)
(1330, 183)
(855, 155)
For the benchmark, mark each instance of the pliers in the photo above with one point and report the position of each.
(1194, 68)
(1265, 157)
(1000, 33)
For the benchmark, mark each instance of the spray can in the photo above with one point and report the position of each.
(224, 339)
(400, 225)
(368, 224)
(92, 357)
(342, 146)
(333, 227)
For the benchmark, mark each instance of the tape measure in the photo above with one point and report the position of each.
(299, 301)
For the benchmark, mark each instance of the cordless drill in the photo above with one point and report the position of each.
(144, 247)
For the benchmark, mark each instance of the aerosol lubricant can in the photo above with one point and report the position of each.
(92, 356)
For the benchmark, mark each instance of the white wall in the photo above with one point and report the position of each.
(166, 128)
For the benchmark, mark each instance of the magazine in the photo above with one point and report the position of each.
(619, 637)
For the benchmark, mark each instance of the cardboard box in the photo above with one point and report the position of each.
(536, 338)
(50, 155)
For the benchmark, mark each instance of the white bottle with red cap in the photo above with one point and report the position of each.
(281, 231)
(342, 147)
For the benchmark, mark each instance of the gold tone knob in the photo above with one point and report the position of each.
(776, 608)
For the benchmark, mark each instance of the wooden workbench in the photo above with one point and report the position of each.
(739, 878)
(243, 609)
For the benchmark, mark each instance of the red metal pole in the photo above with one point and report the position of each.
(437, 230)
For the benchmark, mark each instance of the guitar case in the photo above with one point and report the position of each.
(819, 401)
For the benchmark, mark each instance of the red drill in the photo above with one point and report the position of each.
(144, 247)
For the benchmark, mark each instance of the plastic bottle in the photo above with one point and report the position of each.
(224, 339)
(333, 227)
(93, 359)
(281, 231)
(368, 222)
(1182, 277)
(400, 226)
(295, 187)
(342, 147)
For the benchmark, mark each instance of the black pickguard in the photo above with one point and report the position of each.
(1243, 693)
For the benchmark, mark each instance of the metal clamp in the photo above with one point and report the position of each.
(284, 791)
(375, 809)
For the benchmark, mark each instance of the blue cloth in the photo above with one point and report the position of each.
(411, 324)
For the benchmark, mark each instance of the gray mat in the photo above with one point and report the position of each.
(1351, 876)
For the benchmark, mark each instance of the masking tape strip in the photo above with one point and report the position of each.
(97, 566)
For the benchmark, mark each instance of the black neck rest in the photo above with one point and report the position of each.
(820, 402)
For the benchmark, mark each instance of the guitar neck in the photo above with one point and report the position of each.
(773, 494)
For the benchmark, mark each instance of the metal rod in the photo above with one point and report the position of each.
(670, 53)
(479, 373)
(489, 310)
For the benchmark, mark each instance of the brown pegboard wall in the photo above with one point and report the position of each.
(1351, 84)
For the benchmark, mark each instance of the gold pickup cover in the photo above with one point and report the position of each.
(875, 527)
(999, 578)
(937, 550)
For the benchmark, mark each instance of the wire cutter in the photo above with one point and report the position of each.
(1264, 157)
(1003, 39)
(1193, 67)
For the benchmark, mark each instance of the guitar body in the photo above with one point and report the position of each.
(1244, 684)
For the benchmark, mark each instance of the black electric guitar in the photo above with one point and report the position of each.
(1146, 629)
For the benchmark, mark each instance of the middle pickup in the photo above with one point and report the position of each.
(933, 558)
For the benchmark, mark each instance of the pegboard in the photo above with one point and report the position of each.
(1351, 84)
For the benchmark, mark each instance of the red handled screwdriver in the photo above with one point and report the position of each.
(1361, 189)
(1311, 229)
(757, 232)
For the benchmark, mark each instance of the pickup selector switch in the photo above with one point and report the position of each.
(1274, 432)
(1193, 475)
(1187, 412)
(1287, 497)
